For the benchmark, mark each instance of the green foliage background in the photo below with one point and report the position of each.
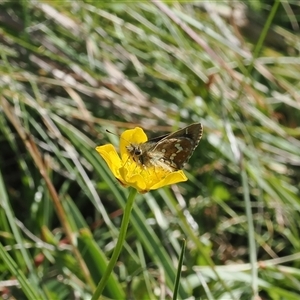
(72, 69)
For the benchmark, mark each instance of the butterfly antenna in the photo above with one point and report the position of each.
(119, 136)
(108, 131)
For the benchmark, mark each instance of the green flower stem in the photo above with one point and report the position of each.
(180, 263)
(119, 246)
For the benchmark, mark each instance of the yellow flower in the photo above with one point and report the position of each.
(130, 173)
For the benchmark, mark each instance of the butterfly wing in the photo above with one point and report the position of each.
(172, 151)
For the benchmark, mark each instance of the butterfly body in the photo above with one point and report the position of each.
(169, 152)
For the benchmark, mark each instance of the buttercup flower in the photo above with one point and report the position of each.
(131, 173)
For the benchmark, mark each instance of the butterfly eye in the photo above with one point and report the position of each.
(137, 151)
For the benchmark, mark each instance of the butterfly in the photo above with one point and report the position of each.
(169, 152)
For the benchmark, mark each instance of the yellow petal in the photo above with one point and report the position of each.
(137, 182)
(171, 178)
(111, 157)
(131, 137)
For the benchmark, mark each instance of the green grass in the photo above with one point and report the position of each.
(69, 70)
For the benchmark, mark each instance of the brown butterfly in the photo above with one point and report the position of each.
(169, 152)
